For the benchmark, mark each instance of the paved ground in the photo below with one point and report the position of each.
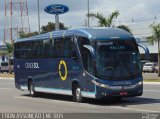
(14, 100)
(151, 76)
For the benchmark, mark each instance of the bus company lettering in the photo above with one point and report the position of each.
(117, 47)
(33, 65)
(105, 43)
(119, 83)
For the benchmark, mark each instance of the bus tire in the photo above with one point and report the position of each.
(31, 89)
(77, 97)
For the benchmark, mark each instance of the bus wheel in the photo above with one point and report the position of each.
(77, 97)
(31, 89)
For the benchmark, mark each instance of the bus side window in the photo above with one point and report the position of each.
(58, 48)
(70, 49)
(28, 50)
(47, 48)
(17, 50)
(63, 47)
(67, 47)
(38, 49)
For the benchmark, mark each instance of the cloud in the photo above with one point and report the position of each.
(139, 10)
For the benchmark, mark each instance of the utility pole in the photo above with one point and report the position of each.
(16, 19)
(88, 14)
(39, 24)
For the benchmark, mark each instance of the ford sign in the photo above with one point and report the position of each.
(56, 9)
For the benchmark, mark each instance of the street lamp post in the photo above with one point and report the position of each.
(38, 17)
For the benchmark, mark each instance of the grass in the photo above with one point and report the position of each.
(7, 75)
(151, 80)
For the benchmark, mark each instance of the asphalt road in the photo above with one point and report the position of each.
(14, 100)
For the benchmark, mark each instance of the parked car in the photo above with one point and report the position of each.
(144, 61)
(150, 67)
(4, 66)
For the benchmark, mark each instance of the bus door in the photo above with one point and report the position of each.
(87, 63)
(68, 66)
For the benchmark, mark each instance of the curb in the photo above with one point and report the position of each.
(152, 83)
(6, 78)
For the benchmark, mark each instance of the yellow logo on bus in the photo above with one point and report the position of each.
(63, 63)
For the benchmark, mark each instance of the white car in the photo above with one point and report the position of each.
(150, 67)
(4, 67)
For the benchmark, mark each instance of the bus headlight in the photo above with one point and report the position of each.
(140, 83)
(99, 84)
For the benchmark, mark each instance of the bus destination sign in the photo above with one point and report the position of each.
(56, 9)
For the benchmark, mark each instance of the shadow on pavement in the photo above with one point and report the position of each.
(110, 102)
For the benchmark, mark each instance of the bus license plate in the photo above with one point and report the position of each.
(123, 93)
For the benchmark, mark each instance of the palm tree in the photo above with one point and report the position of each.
(124, 27)
(108, 21)
(9, 52)
(103, 21)
(155, 37)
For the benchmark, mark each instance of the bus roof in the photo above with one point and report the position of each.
(107, 33)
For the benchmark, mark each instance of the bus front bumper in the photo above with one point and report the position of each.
(119, 91)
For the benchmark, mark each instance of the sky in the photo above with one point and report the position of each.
(142, 12)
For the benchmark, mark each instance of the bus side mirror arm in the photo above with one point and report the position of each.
(90, 48)
(146, 50)
(92, 51)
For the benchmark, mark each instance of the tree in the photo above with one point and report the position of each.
(51, 26)
(155, 37)
(46, 28)
(104, 21)
(124, 27)
(9, 52)
(108, 21)
(22, 34)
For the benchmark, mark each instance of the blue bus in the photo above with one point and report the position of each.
(83, 63)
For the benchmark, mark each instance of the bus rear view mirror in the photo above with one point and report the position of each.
(90, 48)
(146, 50)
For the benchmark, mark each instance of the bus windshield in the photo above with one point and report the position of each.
(117, 60)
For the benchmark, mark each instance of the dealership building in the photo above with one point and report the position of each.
(141, 31)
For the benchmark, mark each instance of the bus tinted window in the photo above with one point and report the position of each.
(28, 48)
(37, 49)
(63, 47)
(58, 48)
(47, 48)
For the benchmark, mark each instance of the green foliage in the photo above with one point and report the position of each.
(105, 21)
(46, 28)
(101, 19)
(108, 21)
(26, 35)
(111, 17)
(155, 37)
(9, 51)
(51, 27)
(9, 48)
(124, 27)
